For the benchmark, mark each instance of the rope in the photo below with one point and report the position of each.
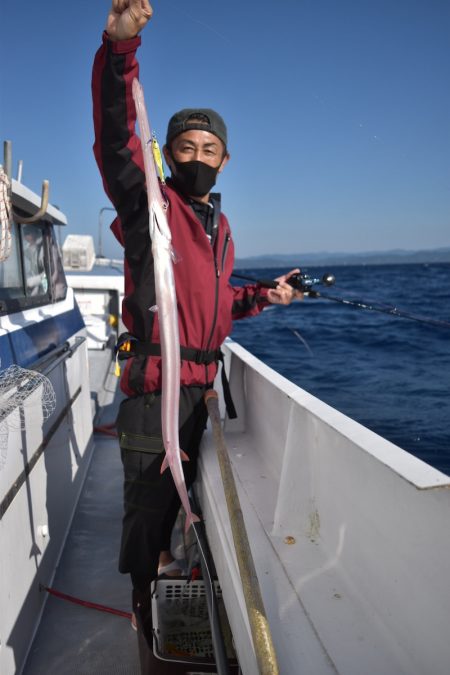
(85, 603)
(5, 216)
(107, 429)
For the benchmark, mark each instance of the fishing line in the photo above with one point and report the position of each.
(202, 23)
(304, 283)
(302, 340)
(391, 310)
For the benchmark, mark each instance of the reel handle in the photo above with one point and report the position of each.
(328, 279)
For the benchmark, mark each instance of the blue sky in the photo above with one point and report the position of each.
(338, 113)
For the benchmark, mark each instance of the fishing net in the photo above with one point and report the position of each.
(5, 216)
(3, 443)
(20, 390)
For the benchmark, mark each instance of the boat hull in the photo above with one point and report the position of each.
(43, 468)
(349, 534)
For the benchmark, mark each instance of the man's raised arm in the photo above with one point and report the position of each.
(117, 147)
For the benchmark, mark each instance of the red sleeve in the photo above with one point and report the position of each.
(117, 147)
(248, 300)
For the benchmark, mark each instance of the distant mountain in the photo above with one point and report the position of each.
(397, 256)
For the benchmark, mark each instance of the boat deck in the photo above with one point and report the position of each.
(72, 638)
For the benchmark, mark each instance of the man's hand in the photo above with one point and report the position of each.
(284, 294)
(127, 18)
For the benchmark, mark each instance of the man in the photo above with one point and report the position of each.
(196, 152)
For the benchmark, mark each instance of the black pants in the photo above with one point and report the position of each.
(151, 502)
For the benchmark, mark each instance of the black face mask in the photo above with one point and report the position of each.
(194, 178)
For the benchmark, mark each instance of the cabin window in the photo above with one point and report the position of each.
(11, 279)
(58, 278)
(33, 274)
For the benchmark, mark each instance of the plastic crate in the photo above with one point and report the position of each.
(181, 628)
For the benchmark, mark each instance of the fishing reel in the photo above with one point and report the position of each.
(299, 282)
(304, 283)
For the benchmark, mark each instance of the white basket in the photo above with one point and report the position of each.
(181, 628)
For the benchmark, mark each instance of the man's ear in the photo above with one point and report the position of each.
(224, 162)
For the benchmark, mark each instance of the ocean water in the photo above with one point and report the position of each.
(388, 373)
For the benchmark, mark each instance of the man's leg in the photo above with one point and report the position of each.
(194, 415)
(151, 502)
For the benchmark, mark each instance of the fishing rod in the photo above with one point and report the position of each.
(305, 283)
(382, 309)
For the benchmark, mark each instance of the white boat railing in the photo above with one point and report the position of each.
(349, 534)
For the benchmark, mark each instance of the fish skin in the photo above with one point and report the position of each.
(166, 303)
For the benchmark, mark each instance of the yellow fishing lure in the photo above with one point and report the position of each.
(158, 158)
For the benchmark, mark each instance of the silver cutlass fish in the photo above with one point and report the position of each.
(166, 303)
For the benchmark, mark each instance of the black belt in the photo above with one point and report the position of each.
(199, 356)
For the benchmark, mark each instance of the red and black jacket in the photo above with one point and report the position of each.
(207, 302)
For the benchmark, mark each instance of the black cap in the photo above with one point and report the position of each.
(203, 119)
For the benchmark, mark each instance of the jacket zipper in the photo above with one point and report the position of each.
(216, 298)
(225, 249)
(216, 305)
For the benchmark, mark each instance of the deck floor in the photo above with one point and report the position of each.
(72, 638)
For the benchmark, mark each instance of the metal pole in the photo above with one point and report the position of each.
(262, 639)
(100, 245)
(7, 153)
(42, 210)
